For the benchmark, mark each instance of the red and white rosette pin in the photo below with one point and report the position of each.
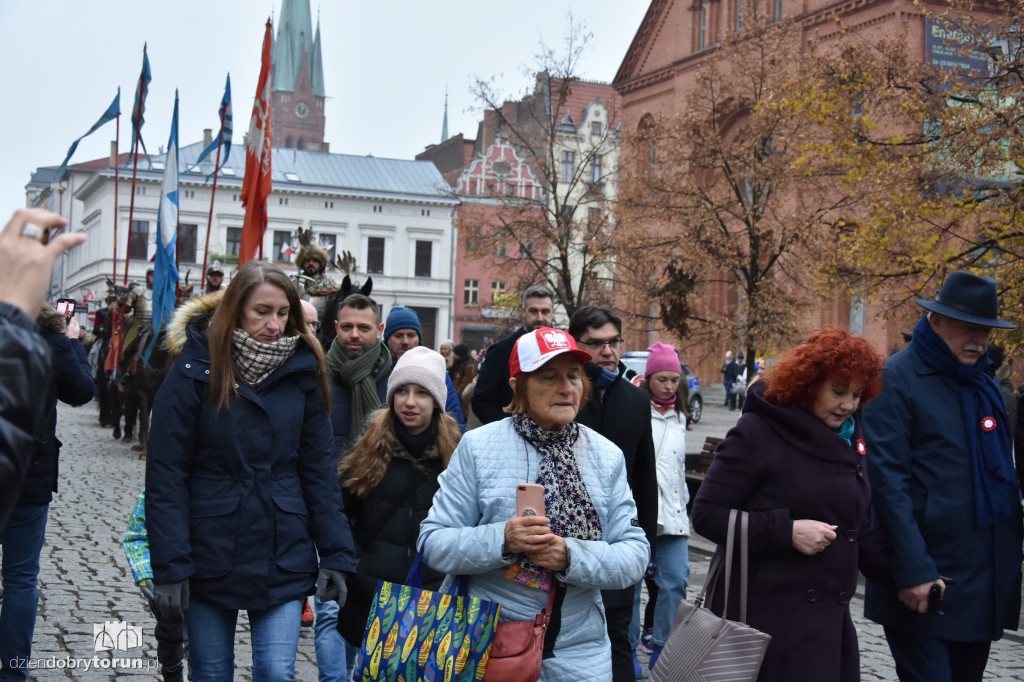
(862, 448)
(988, 424)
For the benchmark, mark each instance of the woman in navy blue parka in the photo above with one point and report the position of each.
(241, 492)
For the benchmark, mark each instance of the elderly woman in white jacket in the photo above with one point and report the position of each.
(587, 541)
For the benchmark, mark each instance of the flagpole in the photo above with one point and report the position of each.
(213, 194)
(117, 178)
(131, 206)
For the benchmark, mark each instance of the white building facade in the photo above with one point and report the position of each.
(395, 217)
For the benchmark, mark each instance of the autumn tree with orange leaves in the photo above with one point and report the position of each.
(733, 190)
(938, 149)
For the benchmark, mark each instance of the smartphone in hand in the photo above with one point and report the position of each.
(66, 307)
(529, 499)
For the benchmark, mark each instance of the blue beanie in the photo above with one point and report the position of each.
(402, 318)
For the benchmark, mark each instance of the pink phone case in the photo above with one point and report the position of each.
(529, 499)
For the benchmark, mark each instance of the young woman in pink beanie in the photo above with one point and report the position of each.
(667, 388)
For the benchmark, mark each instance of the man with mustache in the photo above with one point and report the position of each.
(944, 492)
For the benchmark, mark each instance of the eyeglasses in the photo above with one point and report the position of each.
(597, 345)
(315, 326)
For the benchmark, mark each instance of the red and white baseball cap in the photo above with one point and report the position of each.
(534, 349)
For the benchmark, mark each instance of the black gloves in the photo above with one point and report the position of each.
(330, 586)
(171, 598)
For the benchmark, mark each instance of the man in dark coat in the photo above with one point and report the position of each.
(620, 412)
(944, 492)
(357, 355)
(22, 540)
(730, 370)
(492, 393)
(359, 365)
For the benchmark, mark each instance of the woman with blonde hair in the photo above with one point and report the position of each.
(389, 479)
(240, 489)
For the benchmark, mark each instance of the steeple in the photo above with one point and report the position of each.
(316, 64)
(444, 126)
(298, 92)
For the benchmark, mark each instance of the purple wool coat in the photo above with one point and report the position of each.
(783, 464)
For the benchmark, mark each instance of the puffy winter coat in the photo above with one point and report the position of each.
(467, 532)
(385, 525)
(71, 383)
(239, 501)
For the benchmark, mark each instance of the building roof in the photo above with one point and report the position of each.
(304, 170)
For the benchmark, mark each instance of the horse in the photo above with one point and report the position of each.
(146, 365)
(147, 369)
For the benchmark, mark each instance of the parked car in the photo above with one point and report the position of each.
(636, 361)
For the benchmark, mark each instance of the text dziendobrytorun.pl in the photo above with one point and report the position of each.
(87, 664)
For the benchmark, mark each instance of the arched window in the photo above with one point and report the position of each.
(288, 142)
(301, 144)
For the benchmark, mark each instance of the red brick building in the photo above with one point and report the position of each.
(660, 68)
(489, 174)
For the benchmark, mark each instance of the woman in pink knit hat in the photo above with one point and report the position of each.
(669, 393)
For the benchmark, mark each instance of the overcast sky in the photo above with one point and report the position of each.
(386, 65)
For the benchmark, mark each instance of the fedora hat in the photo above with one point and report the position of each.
(968, 298)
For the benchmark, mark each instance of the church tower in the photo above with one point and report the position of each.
(297, 97)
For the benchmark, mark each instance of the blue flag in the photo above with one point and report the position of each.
(139, 105)
(112, 112)
(224, 136)
(165, 269)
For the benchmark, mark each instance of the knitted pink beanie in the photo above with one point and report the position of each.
(663, 358)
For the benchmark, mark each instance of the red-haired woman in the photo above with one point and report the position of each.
(796, 461)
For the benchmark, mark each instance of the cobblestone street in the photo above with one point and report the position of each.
(85, 579)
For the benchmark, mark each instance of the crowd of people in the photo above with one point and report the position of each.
(282, 467)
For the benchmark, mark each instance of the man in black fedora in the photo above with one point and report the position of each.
(944, 492)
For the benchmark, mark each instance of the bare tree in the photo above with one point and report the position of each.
(550, 219)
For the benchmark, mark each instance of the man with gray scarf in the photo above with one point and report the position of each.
(359, 364)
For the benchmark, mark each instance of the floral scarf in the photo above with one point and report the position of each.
(567, 501)
(254, 361)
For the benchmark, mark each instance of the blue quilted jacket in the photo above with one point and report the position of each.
(467, 525)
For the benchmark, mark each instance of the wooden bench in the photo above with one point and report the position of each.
(697, 467)
(695, 470)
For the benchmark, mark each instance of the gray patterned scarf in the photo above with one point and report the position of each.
(254, 361)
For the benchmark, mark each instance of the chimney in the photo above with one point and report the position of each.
(325, 146)
(207, 137)
(113, 154)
